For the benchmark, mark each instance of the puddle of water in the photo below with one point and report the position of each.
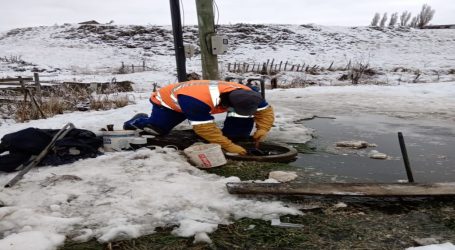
(430, 149)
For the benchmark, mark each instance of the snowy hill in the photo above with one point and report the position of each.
(76, 50)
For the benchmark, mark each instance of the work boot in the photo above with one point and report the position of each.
(130, 124)
(152, 130)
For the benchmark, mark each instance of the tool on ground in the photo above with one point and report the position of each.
(34, 161)
(278, 223)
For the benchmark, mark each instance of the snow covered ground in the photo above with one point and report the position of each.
(129, 194)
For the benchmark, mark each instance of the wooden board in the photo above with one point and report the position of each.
(345, 189)
(16, 79)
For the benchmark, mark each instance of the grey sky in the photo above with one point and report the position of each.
(24, 13)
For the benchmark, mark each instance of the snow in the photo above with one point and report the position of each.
(36, 240)
(122, 195)
(444, 246)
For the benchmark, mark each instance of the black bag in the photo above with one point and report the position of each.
(23, 144)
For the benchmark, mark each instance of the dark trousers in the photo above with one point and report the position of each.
(164, 120)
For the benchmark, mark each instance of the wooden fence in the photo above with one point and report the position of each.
(272, 68)
(125, 69)
(31, 88)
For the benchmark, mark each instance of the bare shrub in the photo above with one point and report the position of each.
(55, 105)
(451, 71)
(358, 71)
(375, 20)
(393, 19)
(120, 101)
(404, 18)
(67, 98)
(383, 20)
(100, 103)
(414, 22)
(425, 16)
(15, 59)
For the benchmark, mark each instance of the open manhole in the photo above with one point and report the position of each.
(267, 152)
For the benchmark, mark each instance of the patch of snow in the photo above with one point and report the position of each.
(36, 240)
(374, 154)
(444, 246)
(123, 195)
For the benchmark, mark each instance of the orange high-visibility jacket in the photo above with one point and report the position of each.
(207, 91)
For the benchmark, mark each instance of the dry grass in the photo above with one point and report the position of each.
(65, 99)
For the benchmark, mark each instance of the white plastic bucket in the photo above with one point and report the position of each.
(117, 140)
(205, 155)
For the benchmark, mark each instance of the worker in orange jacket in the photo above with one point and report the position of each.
(197, 101)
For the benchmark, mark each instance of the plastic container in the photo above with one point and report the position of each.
(117, 140)
(206, 155)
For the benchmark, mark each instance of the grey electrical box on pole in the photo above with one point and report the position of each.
(219, 45)
(206, 26)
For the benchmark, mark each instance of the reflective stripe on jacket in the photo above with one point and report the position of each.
(207, 91)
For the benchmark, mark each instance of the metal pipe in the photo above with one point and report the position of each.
(178, 40)
(404, 152)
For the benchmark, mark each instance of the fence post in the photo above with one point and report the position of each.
(330, 67)
(285, 65)
(21, 82)
(132, 67)
(274, 83)
(143, 65)
(271, 65)
(264, 69)
(38, 87)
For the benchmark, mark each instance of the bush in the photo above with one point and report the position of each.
(383, 20)
(425, 16)
(375, 20)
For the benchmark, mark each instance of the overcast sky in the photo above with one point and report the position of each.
(25, 13)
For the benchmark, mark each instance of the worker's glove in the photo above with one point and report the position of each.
(264, 120)
(260, 135)
(235, 149)
(211, 133)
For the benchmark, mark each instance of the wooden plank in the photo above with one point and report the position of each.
(10, 83)
(16, 79)
(345, 189)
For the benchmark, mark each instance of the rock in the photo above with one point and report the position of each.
(374, 154)
(352, 144)
(283, 176)
(340, 205)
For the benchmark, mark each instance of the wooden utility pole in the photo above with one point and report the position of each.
(206, 25)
